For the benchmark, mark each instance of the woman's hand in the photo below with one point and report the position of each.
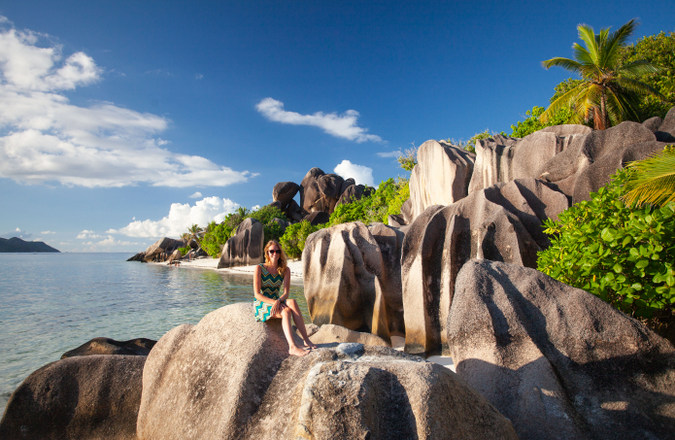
(278, 306)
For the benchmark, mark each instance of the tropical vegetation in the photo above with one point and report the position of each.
(653, 182)
(216, 234)
(609, 90)
(622, 253)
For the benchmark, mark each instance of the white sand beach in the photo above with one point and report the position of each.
(296, 274)
(212, 263)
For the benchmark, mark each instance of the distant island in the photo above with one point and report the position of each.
(16, 244)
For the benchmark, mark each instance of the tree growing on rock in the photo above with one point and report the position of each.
(609, 90)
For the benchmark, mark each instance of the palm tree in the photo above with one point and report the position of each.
(608, 90)
(195, 233)
(653, 181)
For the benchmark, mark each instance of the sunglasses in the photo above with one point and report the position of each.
(274, 251)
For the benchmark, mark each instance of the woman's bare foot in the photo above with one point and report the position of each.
(297, 351)
(310, 345)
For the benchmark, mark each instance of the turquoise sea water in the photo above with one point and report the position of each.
(52, 303)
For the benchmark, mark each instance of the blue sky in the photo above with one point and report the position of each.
(125, 121)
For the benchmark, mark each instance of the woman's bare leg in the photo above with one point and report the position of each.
(299, 322)
(286, 315)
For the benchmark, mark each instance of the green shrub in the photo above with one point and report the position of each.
(266, 216)
(184, 250)
(217, 234)
(624, 255)
(532, 122)
(408, 160)
(376, 207)
(293, 240)
(399, 199)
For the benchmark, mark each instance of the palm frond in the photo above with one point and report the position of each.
(582, 55)
(637, 86)
(615, 41)
(653, 181)
(587, 35)
(640, 67)
(621, 105)
(564, 101)
(563, 62)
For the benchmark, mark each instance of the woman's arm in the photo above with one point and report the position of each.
(287, 284)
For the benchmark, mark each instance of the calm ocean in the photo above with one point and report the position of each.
(52, 303)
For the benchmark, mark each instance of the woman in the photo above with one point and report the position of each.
(269, 277)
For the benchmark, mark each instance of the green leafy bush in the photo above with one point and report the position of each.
(402, 194)
(624, 255)
(375, 207)
(217, 234)
(408, 160)
(266, 216)
(532, 122)
(293, 240)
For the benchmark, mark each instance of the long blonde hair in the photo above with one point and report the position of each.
(282, 262)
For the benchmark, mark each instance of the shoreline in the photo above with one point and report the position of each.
(212, 264)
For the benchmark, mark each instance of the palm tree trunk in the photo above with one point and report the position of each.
(603, 111)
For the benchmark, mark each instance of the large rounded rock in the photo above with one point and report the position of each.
(493, 162)
(134, 347)
(353, 193)
(83, 397)
(667, 127)
(441, 176)
(557, 361)
(390, 241)
(587, 163)
(320, 191)
(501, 159)
(317, 218)
(597, 174)
(284, 192)
(230, 377)
(343, 279)
(209, 377)
(356, 392)
(245, 247)
(159, 251)
(501, 223)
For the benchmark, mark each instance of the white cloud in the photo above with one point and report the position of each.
(47, 233)
(180, 217)
(45, 138)
(196, 195)
(343, 126)
(388, 154)
(86, 234)
(361, 174)
(17, 232)
(107, 243)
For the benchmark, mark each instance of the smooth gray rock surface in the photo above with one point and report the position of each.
(230, 377)
(82, 397)
(501, 223)
(245, 247)
(557, 361)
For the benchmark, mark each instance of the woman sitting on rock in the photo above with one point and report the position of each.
(268, 279)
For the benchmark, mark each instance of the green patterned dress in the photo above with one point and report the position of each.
(270, 285)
